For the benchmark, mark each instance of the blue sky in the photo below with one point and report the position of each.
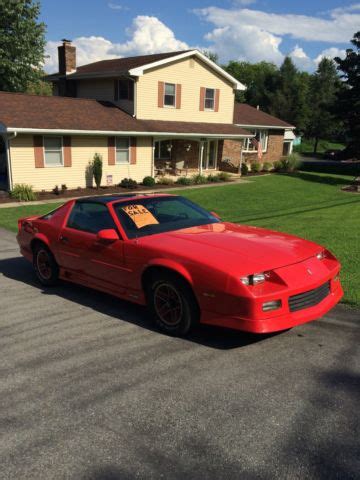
(234, 29)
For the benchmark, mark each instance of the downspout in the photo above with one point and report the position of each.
(8, 158)
(153, 157)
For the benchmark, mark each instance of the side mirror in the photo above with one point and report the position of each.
(214, 214)
(107, 236)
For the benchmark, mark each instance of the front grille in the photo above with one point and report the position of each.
(309, 299)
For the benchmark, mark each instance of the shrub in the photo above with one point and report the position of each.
(148, 181)
(63, 188)
(165, 181)
(291, 162)
(23, 192)
(244, 169)
(184, 181)
(97, 166)
(224, 177)
(277, 166)
(267, 167)
(56, 190)
(128, 183)
(213, 178)
(198, 179)
(256, 167)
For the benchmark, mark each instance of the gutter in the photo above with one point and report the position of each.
(8, 159)
(272, 127)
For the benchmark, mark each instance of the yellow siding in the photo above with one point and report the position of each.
(191, 74)
(83, 150)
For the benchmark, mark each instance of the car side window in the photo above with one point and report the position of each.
(90, 217)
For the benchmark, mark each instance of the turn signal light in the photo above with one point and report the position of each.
(273, 305)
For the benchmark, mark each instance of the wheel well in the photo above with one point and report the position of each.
(35, 242)
(150, 272)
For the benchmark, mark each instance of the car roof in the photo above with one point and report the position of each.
(105, 199)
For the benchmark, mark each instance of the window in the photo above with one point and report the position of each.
(260, 136)
(162, 150)
(209, 98)
(169, 94)
(53, 151)
(126, 89)
(90, 217)
(122, 150)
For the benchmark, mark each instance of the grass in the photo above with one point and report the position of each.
(307, 146)
(310, 205)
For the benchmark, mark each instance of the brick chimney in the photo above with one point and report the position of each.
(67, 57)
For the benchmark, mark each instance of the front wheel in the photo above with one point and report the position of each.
(45, 266)
(173, 304)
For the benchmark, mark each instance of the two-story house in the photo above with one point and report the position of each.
(147, 115)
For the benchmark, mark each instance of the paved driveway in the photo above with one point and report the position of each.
(90, 391)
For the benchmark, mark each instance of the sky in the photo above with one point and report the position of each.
(248, 30)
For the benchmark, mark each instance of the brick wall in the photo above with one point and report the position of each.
(229, 155)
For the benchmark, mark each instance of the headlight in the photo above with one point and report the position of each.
(321, 255)
(253, 279)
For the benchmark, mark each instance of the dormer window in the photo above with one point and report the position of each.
(209, 98)
(169, 94)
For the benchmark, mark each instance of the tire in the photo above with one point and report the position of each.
(45, 266)
(172, 304)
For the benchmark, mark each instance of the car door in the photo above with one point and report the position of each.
(80, 253)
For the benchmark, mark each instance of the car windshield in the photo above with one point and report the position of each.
(148, 216)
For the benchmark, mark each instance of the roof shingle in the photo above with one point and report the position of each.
(247, 115)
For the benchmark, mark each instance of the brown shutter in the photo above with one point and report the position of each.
(116, 90)
(38, 151)
(161, 94)
(178, 95)
(111, 151)
(132, 150)
(67, 151)
(217, 97)
(202, 99)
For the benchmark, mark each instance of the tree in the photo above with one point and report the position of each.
(324, 86)
(22, 44)
(349, 96)
(97, 169)
(214, 57)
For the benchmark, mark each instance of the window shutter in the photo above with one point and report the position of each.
(133, 150)
(67, 151)
(178, 95)
(161, 94)
(116, 90)
(202, 99)
(111, 151)
(217, 97)
(38, 151)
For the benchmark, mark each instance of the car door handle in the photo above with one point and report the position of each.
(63, 239)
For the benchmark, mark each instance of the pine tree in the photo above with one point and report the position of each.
(22, 44)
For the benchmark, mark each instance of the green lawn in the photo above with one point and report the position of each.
(307, 146)
(310, 205)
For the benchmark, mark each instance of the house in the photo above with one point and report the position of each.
(147, 115)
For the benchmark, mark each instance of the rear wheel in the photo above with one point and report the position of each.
(172, 303)
(45, 266)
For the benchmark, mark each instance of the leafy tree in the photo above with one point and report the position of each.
(22, 44)
(214, 57)
(39, 87)
(349, 96)
(324, 86)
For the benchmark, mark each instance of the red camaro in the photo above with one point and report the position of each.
(183, 262)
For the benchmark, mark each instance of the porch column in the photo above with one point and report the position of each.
(201, 156)
(241, 157)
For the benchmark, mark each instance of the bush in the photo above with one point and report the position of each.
(224, 177)
(213, 178)
(184, 181)
(198, 179)
(267, 167)
(148, 181)
(256, 167)
(23, 192)
(56, 190)
(165, 181)
(290, 163)
(128, 183)
(244, 169)
(63, 188)
(277, 166)
(97, 166)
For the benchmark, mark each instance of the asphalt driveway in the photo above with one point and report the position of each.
(89, 391)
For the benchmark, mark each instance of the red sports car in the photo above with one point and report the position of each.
(183, 262)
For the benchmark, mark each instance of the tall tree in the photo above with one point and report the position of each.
(324, 86)
(22, 44)
(349, 96)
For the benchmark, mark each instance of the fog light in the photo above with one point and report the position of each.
(321, 255)
(273, 305)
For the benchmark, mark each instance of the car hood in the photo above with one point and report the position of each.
(242, 248)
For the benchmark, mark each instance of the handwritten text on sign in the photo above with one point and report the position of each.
(140, 215)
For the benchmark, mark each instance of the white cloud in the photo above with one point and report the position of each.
(330, 53)
(116, 6)
(301, 59)
(147, 35)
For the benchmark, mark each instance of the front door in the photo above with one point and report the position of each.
(210, 154)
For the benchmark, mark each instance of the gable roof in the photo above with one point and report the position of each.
(248, 116)
(50, 114)
(136, 66)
